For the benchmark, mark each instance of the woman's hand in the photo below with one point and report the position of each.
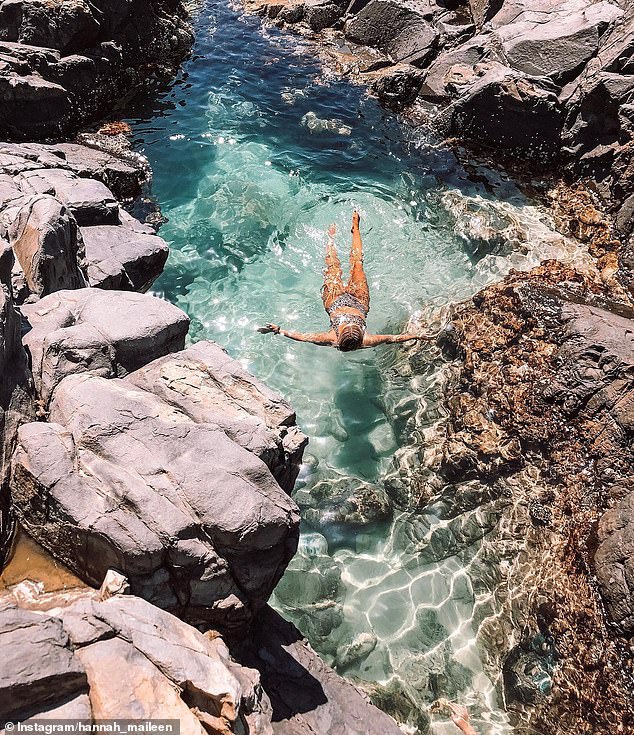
(267, 328)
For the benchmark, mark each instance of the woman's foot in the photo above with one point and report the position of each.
(332, 231)
(355, 220)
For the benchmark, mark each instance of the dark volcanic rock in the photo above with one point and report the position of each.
(160, 485)
(502, 107)
(62, 63)
(395, 28)
(65, 26)
(398, 88)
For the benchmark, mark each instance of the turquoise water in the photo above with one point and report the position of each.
(255, 151)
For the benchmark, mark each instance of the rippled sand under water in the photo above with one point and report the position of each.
(255, 152)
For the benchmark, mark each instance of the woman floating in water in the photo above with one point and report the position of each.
(347, 306)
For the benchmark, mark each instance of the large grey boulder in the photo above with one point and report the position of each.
(45, 239)
(106, 333)
(121, 258)
(90, 201)
(210, 387)
(397, 28)
(122, 479)
(556, 44)
(76, 655)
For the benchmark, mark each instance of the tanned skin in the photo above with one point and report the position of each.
(333, 288)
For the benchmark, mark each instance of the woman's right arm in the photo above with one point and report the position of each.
(317, 338)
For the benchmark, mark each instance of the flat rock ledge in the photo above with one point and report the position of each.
(541, 411)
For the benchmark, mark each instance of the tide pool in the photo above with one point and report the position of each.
(255, 151)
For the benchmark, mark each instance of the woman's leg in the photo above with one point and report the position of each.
(358, 283)
(333, 283)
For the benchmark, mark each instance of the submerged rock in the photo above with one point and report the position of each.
(307, 695)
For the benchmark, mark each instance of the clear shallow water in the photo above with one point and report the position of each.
(255, 151)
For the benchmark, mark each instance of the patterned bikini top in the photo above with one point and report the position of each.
(347, 300)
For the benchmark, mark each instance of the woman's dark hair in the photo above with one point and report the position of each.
(350, 338)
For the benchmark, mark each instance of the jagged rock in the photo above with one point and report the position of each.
(120, 258)
(39, 667)
(44, 236)
(483, 10)
(502, 107)
(307, 696)
(399, 87)
(395, 28)
(557, 44)
(119, 253)
(122, 479)
(210, 387)
(16, 390)
(613, 563)
(105, 333)
(120, 658)
(73, 58)
(90, 201)
(453, 70)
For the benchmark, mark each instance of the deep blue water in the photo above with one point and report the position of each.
(255, 151)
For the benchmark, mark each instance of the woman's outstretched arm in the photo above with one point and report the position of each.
(372, 340)
(316, 338)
